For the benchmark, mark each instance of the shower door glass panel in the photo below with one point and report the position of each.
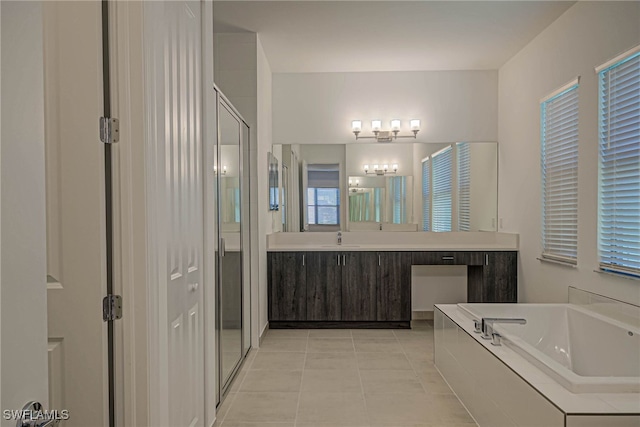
(230, 259)
(246, 238)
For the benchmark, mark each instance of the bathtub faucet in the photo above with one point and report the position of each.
(487, 326)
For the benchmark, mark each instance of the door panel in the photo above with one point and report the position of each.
(23, 264)
(287, 288)
(173, 84)
(394, 286)
(324, 286)
(76, 250)
(359, 282)
(230, 220)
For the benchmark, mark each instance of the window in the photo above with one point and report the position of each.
(559, 168)
(619, 180)
(426, 194)
(441, 190)
(398, 186)
(324, 206)
(464, 186)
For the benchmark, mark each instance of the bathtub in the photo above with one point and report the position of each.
(582, 350)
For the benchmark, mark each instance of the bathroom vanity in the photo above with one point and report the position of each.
(366, 283)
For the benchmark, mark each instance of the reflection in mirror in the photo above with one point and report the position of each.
(455, 186)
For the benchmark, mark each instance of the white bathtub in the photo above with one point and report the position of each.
(582, 350)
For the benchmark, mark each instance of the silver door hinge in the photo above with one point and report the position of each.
(111, 308)
(109, 130)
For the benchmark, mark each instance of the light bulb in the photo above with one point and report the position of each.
(375, 167)
(376, 125)
(385, 167)
(356, 125)
(366, 168)
(415, 124)
(395, 167)
(395, 124)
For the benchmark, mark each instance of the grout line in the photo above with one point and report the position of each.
(364, 397)
(304, 367)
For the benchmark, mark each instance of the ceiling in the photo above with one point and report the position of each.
(343, 36)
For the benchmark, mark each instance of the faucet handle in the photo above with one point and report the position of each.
(495, 339)
(477, 326)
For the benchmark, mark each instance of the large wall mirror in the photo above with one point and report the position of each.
(390, 186)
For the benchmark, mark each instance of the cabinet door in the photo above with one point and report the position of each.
(287, 287)
(394, 286)
(359, 283)
(324, 286)
(500, 281)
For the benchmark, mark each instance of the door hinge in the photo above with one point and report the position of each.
(111, 308)
(109, 130)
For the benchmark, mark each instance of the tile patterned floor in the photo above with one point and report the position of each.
(343, 378)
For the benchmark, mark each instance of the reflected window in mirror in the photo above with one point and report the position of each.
(323, 194)
(463, 163)
(441, 190)
(399, 199)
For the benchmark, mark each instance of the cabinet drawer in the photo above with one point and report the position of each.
(447, 258)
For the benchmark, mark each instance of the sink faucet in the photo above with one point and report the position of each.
(339, 237)
(487, 326)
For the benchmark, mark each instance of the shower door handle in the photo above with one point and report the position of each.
(222, 246)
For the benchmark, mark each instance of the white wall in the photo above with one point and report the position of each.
(585, 36)
(317, 108)
(266, 217)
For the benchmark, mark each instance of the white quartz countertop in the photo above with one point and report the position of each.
(568, 402)
(393, 241)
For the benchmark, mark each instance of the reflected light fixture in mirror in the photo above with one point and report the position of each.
(381, 171)
(385, 135)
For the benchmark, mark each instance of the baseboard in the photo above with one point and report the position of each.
(263, 334)
(422, 315)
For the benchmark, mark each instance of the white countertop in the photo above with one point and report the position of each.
(393, 241)
(568, 402)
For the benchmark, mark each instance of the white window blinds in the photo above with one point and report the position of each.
(464, 186)
(426, 195)
(441, 190)
(619, 192)
(559, 140)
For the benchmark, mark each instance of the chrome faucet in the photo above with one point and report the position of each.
(339, 237)
(487, 327)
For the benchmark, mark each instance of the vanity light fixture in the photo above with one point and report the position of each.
(215, 170)
(357, 183)
(385, 135)
(377, 170)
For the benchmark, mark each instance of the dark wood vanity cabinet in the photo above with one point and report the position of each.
(393, 297)
(287, 286)
(372, 289)
(324, 286)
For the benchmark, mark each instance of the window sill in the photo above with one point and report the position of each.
(554, 261)
(617, 274)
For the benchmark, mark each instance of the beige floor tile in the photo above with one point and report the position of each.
(284, 344)
(330, 333)
(433, 383)
(383, 361)
(331, 361)
(412, 333)
(398, 409)
(334, 407)
(269, 380)
(238, 380)
(372, 333)
(378, 345)
(344, 381)
(417, 345)
(383, 381)
(422, 324)
(258, 424)
(263, 407)
(278, 361)
(449, 409)
(299, 424)
(420, 360)
(287, 333)
(330, 345)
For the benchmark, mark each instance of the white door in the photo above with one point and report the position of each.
(53, 210)
(23, 313)
(173, 79)
(75, 174)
